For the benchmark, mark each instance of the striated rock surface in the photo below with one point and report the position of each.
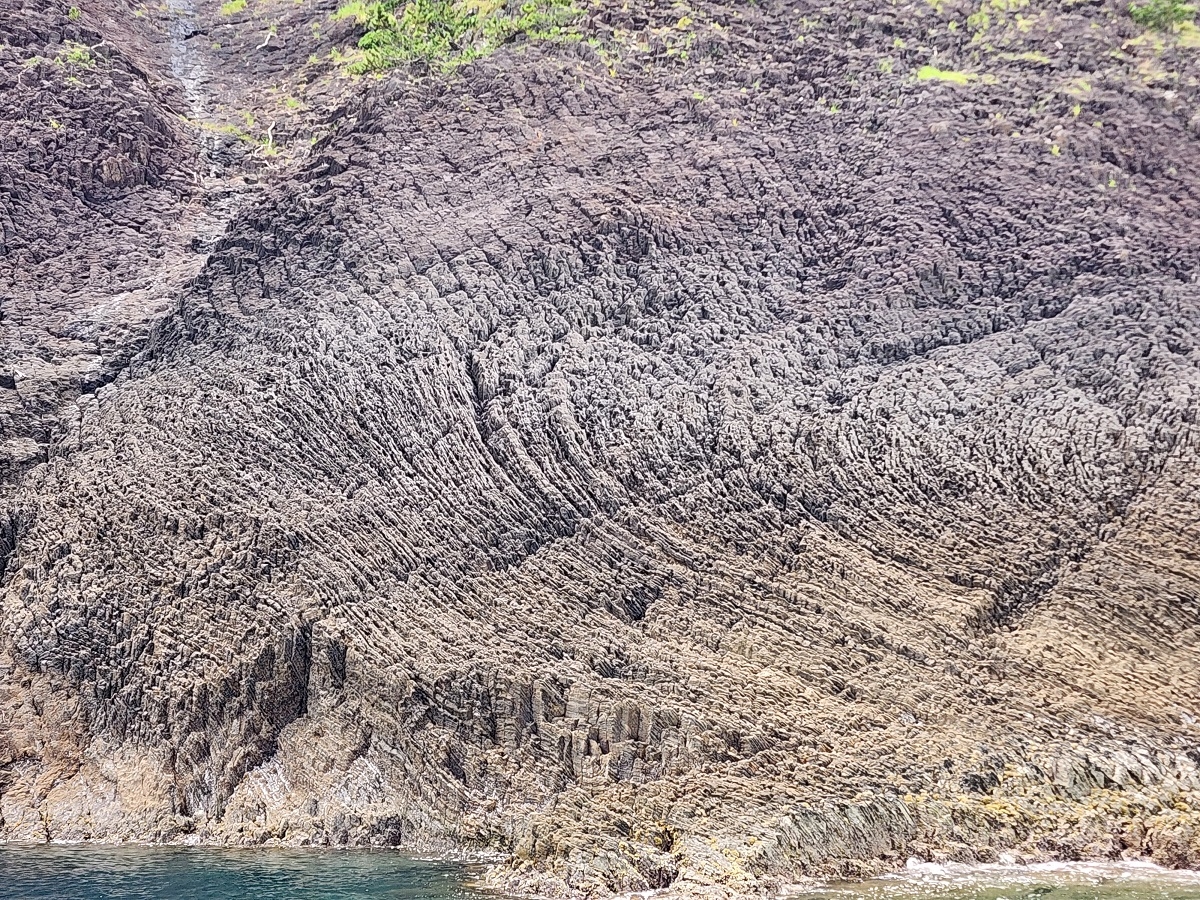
(758, 441)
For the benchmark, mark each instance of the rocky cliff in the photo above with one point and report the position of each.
(725, 443)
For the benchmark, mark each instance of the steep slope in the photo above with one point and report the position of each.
(666, 468)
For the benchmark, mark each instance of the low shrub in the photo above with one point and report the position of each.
(448, 33)
(1162, 15)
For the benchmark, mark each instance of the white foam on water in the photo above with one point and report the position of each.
(921, 879)
(1087, 872)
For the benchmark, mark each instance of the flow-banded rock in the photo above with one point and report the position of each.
(668, 470)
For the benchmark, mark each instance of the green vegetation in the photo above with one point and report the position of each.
(448, 33)
(1162, 15)
(75, 55)
(74, 14)
(932, 73)
(678, 39)
(232, 7)
(424, 30)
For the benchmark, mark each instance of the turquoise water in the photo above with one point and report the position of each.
(1047, 881)
(49, 872)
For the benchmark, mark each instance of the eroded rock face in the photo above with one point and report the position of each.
(677, 471)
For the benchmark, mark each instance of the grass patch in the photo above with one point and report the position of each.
(232, 7)
(75, 55)
(448, 33)
(1162, 15)
(933, 73)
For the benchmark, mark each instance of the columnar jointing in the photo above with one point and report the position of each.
(668, 470)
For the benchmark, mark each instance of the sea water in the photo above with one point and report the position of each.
(91, 872)
(1041, 881)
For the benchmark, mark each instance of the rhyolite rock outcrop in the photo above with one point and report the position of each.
(757, 442)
